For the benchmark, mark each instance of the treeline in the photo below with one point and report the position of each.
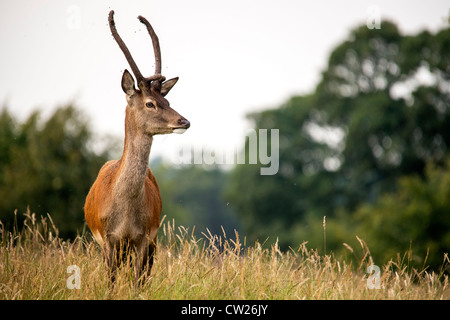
(368, 150)
(47, 165)
(50, 164)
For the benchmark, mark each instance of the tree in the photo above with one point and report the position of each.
(380, 112)
(415, 219)
(389, 94)
(273, 205)
(48, 166)
(191, 195)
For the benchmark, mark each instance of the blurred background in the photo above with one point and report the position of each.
(359, 90)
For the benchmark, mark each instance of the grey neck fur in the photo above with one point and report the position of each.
(134, 165)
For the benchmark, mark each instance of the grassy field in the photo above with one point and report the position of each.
(36, 264)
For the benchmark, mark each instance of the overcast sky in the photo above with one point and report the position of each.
(232, 57)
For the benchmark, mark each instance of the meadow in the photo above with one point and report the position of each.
(35, 263)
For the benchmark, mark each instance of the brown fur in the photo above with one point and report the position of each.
(123, 207)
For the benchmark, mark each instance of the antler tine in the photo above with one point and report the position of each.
(156, 48)
(124, 48)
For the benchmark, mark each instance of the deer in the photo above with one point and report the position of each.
(123, 206)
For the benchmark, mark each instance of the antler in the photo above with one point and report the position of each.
(123, 47)
(126, 52)
(155, 42)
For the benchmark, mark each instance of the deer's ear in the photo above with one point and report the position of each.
(167, 85)
(128, 83)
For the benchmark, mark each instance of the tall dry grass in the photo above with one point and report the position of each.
(34, 265)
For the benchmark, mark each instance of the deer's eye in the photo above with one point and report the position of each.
(150, 105)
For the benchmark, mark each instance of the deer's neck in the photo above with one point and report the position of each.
(133, 164)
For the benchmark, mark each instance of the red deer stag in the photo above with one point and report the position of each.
(123, 207)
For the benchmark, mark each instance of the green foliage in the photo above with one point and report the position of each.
(192, 196)
(366, 149)
(50, 166)
(414, 218)
(47, 165)
(380, 113)
(386, 135)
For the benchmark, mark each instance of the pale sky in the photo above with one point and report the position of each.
(233, 57)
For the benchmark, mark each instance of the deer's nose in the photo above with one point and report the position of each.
(182, 122)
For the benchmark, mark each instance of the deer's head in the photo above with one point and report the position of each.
(147, 106)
